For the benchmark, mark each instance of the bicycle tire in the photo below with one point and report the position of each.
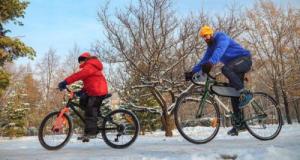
(276, 110)
(181, 130)
(110, 118)
(41, 134)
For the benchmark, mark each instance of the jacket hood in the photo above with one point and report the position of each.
(93, 61)
(85, 54)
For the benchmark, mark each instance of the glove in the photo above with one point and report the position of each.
(188, 75)
(206, 67)
(62, 85)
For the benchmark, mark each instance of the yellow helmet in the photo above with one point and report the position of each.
(206, 30)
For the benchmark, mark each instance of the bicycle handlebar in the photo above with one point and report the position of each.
(201, 83)
(66, 89)
(70, 91)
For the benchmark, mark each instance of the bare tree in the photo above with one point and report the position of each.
(150, 43)
(269, 35)
(232, 21)
(71, 61)
(47, 70)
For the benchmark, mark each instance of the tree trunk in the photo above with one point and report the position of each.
(168, 125)
(296, 105)
(286, 107)
(165, 118)
(276, 93)
(275, 90)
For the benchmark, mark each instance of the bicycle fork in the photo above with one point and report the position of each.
(214, 120)
(60, 120)
(201, 106)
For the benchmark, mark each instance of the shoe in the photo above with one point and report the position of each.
(87, 136)
(233, 132)
(236, 129)
(245, 98)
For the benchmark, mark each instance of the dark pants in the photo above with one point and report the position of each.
(90, 104)
(235, 72)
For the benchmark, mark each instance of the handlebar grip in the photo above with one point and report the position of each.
(197, 80)
(68, 89)
(203, 81)
(197, 84)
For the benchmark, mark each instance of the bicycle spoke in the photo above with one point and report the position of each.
(262, 117)
(54, 138)
(121, 129)
(196, 128)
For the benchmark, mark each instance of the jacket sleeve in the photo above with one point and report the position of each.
(221, 46)
(205, 58)
(80, 75)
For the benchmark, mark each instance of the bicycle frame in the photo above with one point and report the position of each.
(66, 110)
(208, 118)
(228, 113)
(207, 94)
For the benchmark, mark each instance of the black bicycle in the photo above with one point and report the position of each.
(197, 114)
(119, 128)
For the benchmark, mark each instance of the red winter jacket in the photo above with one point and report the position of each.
(94, 83)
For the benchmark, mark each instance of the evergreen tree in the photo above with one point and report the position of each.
(149, 117)
(4, 81)
(14, 115)
(11, 48)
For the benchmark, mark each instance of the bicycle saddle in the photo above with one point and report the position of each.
(226, 91)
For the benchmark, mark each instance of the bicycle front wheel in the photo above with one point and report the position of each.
(51, 137)
(197, 129)
(120, 128)
(263, 117)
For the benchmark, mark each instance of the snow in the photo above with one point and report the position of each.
(157, 147)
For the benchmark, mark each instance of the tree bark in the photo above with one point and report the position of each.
(286, 107)
(296, 105)
(167, 122)
(275, 90)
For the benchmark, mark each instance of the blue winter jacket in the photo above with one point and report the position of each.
(223, 49)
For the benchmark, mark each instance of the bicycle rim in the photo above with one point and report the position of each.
(121, 128)
(195, 129)
(263, 117)
(53, 139)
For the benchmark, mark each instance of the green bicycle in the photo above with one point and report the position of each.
(197, 113)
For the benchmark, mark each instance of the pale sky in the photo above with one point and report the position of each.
(62, 23)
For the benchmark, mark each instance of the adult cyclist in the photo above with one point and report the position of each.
(237, 61)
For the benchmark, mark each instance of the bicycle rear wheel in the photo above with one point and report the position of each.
(53, 138)
(263, 117)
(120, 128)
(196, 129)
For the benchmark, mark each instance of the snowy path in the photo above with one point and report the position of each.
(156, 147)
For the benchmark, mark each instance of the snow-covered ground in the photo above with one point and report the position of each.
(157, 147)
